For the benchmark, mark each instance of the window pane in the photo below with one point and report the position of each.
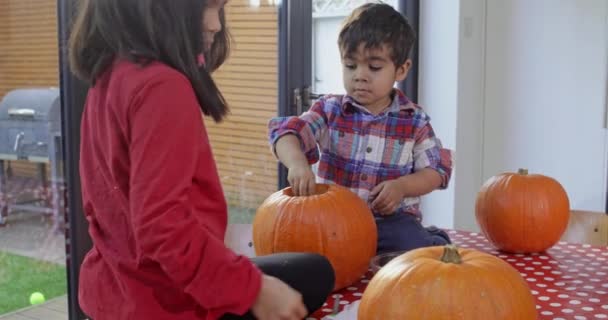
(249, 83)
(32, 243)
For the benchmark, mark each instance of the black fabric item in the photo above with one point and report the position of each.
(404, 232)
(310, 274)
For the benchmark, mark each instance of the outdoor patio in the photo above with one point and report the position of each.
(55, 309)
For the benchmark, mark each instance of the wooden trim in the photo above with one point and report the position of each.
(587, 227)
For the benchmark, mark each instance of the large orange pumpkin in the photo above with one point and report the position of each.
(437, 283)
(521, 212)
(334, 222)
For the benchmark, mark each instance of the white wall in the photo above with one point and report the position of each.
(469, 137)
(438, 92)
(460, 88)
(545, 93)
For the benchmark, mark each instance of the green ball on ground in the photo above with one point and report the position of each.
(36, 298)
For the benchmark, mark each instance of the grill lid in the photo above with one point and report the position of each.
(33, 104)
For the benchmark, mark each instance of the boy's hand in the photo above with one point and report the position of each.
(300, 175)
(302, 180)
(387, 197)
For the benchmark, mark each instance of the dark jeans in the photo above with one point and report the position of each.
(403, 232)
(310, 274)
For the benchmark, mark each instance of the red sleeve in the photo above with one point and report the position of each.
(166, 133)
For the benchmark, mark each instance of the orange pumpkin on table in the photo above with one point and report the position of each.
(521, 212)
(445, 282)
(334, 222)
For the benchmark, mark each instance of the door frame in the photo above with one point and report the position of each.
(73, 94)
(295, 66)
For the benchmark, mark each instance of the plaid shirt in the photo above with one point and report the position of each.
(360, 150)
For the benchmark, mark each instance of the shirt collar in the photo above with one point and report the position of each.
(400, 103)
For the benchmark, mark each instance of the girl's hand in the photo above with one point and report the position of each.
(278, 301)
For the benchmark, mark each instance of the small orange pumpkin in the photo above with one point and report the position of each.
(445, 282)
(521, 212)
(334, 222)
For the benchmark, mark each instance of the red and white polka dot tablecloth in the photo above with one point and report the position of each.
(569, 281)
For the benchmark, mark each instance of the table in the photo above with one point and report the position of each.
(569, 281)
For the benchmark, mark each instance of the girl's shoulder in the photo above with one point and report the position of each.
(131, 80)
(141, 74)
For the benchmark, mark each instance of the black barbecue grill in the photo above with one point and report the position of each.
(30, 130)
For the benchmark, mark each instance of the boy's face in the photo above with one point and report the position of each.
(369, 76)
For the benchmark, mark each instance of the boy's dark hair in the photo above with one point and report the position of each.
(142, 31)
(375, 24)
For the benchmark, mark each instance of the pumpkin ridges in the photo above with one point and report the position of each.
(522, 213)
(486, 277)
(455, 296)
(266, 221)
(289, 219)
(554, 222)
(323, 240)
(282, 206)
(362, 226)
(304, 224)
(535, 221)
(334, 226)
(351, 229)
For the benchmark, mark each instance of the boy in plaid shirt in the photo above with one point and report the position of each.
(373, 140)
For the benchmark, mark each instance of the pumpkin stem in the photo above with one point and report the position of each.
(522, 171)
(451, 255)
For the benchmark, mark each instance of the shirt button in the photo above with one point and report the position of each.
(369, 149)
(341, 133)
(363, 176)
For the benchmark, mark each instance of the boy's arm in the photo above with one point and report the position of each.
(298, 136)
(420, 182)
(300, 176)
(294, 141)
(432, 170)
(289, 152)
(432, 164)
(388, 195)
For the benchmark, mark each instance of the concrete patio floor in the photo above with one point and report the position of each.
(54, 309)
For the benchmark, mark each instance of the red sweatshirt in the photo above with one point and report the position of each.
(156, 210)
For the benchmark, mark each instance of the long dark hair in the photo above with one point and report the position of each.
(142, 31)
